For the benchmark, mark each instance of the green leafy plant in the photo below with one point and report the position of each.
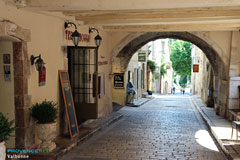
(163, 71)
(156, 76)
(152, 65)
(6, 128)
(44, 112)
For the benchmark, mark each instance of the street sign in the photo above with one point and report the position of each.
(141, 57)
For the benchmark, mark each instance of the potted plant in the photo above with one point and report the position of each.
(149, 92)
(6, 129)
(45, 114)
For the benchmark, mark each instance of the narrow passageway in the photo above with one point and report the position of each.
(167, 127)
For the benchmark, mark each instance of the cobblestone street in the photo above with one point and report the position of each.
(167, 127)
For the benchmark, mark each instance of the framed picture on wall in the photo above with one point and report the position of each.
(6, 59)
(7, 73)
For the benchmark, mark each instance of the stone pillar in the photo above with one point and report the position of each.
(233, 102)
(21, 97)
(234, 72)
(223, 97)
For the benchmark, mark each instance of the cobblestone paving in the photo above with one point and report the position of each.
(166, 128)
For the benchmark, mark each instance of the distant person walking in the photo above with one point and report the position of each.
(173, 90)
(183, 91)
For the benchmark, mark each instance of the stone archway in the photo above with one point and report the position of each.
(22, 99)
(125, 50)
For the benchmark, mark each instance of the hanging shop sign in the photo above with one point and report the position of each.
(118, 80)
(195, 67)
(42, 77)
(141, 57)
(84, 37)
(69, 104)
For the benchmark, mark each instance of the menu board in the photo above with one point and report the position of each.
(118, 80)
(69, 103)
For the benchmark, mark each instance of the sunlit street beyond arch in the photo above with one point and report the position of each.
(167, 127)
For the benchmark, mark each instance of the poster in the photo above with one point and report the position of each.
(118, 80)
(7, 73)
(42, 77)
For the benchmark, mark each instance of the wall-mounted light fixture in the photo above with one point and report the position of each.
(76, 37)
(98, 39)
(39, 64)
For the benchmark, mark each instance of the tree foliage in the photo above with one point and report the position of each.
(181, 57)
(181, 60)
(183, 81)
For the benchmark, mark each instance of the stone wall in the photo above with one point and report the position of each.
(202, 81)
(215, 45)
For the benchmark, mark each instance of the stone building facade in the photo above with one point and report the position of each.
(202, 81)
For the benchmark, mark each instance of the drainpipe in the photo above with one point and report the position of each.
(239, 96)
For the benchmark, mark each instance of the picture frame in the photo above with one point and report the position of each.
(6, 58)
(7, 72)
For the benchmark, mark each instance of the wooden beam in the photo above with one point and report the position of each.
(158, 15)
(124, 4)
(175, 27)
(79, 12)
(153, 21)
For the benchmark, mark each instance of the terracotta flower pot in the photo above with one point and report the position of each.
(2, 151)
(46, 133)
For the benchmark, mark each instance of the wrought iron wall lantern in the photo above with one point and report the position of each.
(98, 38)
(76, 36)
(39, 64)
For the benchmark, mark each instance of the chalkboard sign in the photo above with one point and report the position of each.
(69, 104)
(118, 80)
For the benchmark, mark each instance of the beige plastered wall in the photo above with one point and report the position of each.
(118, 94)
(105, 103)
(48, 39)
(7, 87)
(220, 41)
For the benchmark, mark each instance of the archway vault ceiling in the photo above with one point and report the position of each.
(126, 52)
(145, 15)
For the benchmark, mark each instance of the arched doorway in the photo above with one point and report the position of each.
(125, 50)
